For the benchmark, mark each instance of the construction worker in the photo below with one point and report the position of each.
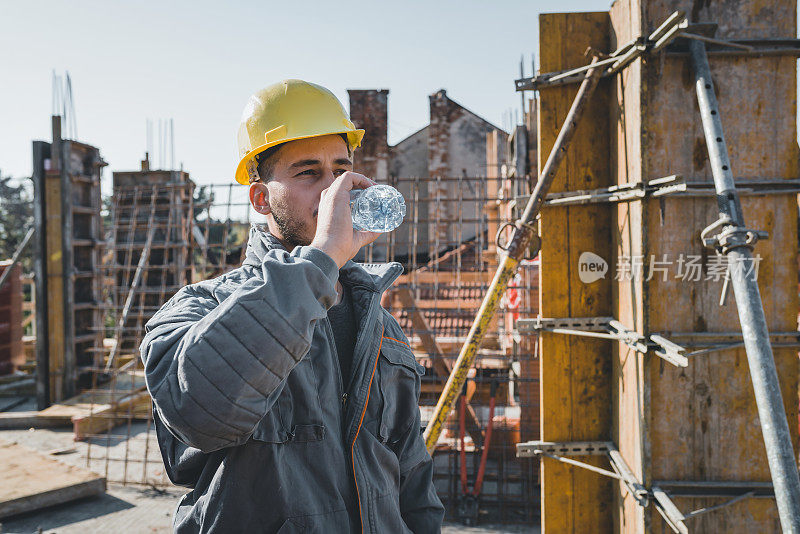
(284, 395)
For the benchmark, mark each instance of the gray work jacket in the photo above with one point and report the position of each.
(253, 414)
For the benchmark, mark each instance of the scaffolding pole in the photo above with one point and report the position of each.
(736, 242)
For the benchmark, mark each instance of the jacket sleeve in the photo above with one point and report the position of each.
(420, 506)
(214, 370)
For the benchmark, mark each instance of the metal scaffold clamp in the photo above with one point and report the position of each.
(735, 237)
(534, 242)
(732, 236)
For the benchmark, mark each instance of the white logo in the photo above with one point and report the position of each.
(591, 267)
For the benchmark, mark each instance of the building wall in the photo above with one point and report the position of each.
(369, 110)
(408, 168)
(449, 150)
(456, 150)
(409, 157)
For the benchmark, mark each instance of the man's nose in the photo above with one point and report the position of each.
(328, 178)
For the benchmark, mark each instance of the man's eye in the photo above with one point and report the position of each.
(309, 172)
(339, 172)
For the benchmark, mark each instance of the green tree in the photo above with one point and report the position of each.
(16, 217)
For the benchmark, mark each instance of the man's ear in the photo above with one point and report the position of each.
(259, 198)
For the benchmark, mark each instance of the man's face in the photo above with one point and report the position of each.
(301, 171)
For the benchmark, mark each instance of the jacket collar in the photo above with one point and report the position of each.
(376, 277)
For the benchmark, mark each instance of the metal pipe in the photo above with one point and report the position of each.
(524, 235)
(764, 376)
(707, 509)
(582, 465)
(711, 40)
(584, 333)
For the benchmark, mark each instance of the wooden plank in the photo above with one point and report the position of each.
(89, 402)
(104, 418)
(84, 418)
(32, 480)
(446, 304)
(631, 407)
(55, 285)
(85, 410)
(31, 419)
(575, 372)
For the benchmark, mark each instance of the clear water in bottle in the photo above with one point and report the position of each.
(379, 208)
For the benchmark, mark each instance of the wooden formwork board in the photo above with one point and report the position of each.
(631, 407)
(54, 305)
(67, 207)
(575, 372)
(700, 422)
(32, 480)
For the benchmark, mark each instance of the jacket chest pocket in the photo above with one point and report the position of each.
(398, 385)
(296, 415)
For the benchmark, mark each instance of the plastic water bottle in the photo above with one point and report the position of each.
(379, 208)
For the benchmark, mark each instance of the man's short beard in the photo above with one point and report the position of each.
(292, 230)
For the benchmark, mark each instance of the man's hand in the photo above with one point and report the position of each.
(335, 233)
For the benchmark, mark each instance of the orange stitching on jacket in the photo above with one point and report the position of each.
(393, 339)
(353, 446)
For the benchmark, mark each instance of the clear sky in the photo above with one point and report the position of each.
(197, 62)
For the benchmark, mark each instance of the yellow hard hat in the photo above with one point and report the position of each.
(287, 111)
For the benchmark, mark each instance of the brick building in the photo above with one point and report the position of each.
(442, 166)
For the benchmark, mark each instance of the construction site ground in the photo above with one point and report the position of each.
(134, 509)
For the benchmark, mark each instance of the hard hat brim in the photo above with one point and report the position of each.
(354, 138)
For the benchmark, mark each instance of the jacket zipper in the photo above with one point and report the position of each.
(360, 340)
(367, 328)
(332, 341)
